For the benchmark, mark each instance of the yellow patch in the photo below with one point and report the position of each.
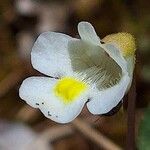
(69, 88)
(125, 41)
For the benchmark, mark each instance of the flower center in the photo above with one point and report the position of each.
(69, 88)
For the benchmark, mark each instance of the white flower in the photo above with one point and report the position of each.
(85, 71)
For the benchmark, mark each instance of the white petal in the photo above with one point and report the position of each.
(40, 90)
(115, 54)
(50, 54)
(87, 33)
(131, 64)
(103, 101)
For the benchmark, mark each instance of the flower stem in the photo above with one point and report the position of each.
(130, 139)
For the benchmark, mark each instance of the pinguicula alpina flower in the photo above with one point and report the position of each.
(88, 71)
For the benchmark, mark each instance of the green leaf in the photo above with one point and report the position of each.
(144, 132)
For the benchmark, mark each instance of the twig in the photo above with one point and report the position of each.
(26, 113)
(57, 132)
(94, 135)
(10, 81)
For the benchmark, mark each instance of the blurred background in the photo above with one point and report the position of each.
(21, 21)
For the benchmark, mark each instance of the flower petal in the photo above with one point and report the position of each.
(115, 54)
(103, 101)
(87, 33)
(39, 93)
(50, 55)
(131, 64)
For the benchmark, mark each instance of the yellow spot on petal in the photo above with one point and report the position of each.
(68, 89)
(125, 41)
